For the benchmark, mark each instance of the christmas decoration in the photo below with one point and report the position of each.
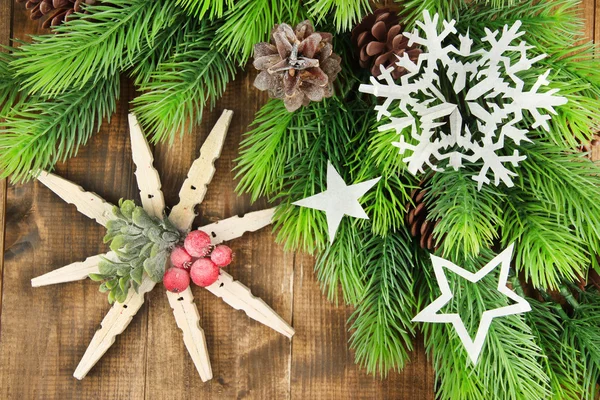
(541, 107)
(176, 279)
(221, 256)
(197, 244)
(380, 43)
(204, 272)
(491, 74)
(416, 219)
(55, 12)
(298, 66)
(430, 313)
(139, 244)
(338, 200)
(480, 97)
(181, 258)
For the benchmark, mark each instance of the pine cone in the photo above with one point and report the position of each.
(55, 11)
(416, 219)
(297, 66)
(379, 40)
(592, 279)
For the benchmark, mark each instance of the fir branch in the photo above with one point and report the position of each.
(469, 218)
(383, 331)
(583, 332)
(346, 13)
(213, 9)
(41, 132)
(265, 150)
(412, 10)
(570, 183)
(251, 22)
(151, 55)
(177, 92)
(9, 86)
(343, 264)
(547, 250)
(320, 133)
(562, 362)
(92, 47)
(509, 367)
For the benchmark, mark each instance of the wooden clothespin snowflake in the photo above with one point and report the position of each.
(182, 216)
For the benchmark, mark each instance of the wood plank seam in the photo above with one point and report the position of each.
(292, 292)
(5, 39)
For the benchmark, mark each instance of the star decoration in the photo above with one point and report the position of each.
(430, 313)
(338, 200)
(182, 216)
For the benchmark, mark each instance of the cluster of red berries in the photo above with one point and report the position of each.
(198, 260)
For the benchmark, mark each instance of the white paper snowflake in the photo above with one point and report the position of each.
(486, 91)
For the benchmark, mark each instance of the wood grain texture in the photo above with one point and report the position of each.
(45, 331)
(6, 9)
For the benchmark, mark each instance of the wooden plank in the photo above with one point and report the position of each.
(323, 366)
(45, 330)
(6, 9)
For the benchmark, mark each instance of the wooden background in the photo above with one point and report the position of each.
(45, 331)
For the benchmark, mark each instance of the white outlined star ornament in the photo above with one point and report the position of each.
(430, 313)
(182, 216)
(338, 200)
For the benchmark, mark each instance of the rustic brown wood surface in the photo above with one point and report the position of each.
(45, 331)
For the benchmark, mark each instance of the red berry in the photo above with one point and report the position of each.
(176, 280)
(181, 258)
(222, 256)
(204, 272)
(197, 243)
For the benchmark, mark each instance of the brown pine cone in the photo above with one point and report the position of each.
(298, 66)
(379, 40)
(55, 11)
(592, 279)
(416, 219)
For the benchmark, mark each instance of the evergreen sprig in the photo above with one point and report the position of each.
(212, 9)
(177, 91)
(562, 362)
(469, 218)
(91, 47)
(342, 264)
(345, 13)
(9, 85)
(383, 330)
(251, 22)
(140, 244)
(510, 365)
(39, 132)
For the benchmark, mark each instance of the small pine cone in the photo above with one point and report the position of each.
(416, 219)
(379, 40)
(298, 66)
(587, 147)
(55, 12)
(592, 279)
